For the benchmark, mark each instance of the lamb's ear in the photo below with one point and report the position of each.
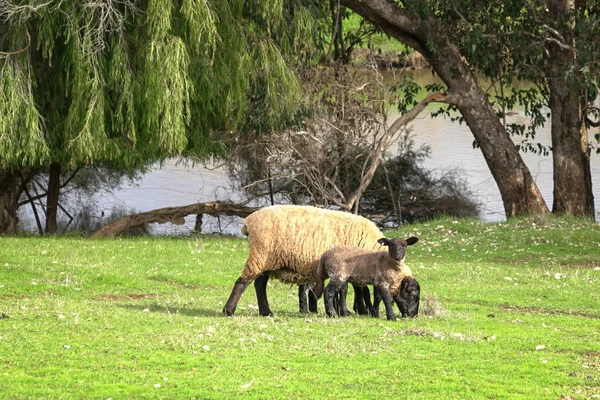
(412, 240)
(384, 241)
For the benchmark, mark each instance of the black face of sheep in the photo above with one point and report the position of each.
(397, 246)
(409, 297)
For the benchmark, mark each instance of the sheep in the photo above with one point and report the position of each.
(385, 270)
(286, 243)
(407, 299)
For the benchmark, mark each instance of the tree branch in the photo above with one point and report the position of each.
(174, 215)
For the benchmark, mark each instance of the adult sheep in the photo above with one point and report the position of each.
(286, 243)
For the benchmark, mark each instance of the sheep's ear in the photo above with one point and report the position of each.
(412, 240)
(384, 241)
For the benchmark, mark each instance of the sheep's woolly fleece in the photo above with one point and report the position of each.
(288, 241)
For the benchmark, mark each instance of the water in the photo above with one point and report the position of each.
(451, 147)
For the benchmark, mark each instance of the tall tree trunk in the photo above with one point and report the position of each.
(12, 184)
(570, 153)
(52, 198)
(519, 192)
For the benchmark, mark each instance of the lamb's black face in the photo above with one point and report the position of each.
(409, 297)
(397, 246)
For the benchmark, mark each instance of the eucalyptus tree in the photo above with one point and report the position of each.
(417, 24)
(551, 44)
(548, 53)
(123, 82)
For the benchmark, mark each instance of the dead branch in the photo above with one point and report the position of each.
(174, 215)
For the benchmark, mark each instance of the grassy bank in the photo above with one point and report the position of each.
(513, 311)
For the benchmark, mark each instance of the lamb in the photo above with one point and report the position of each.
(384, 270)
(286, 243)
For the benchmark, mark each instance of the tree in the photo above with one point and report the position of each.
(416, 25)
(551, 49)
(122, 83)
(550, 44)
(332, 158)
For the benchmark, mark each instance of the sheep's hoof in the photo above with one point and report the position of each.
(227, 313)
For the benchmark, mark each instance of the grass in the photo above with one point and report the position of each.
(511, 310)
(378, 41)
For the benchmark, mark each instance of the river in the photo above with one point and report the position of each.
(451, 147)
(173, 184)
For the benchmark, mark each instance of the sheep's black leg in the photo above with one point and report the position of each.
(260, 285)
(238, 288)
(302, 289)
(387, 300)
(359, 303)
(366, 294)
(362, 300)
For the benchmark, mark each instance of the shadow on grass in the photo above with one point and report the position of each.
(203, 312)
(189, 312)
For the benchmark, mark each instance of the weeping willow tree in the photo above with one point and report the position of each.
(122, 83)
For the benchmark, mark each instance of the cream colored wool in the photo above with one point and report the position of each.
(288, 241)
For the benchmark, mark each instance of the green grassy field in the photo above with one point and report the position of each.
(511, 310)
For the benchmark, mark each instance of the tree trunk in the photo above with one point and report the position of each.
(52, 197)
(570, 153)
(174, 215)
(12, 184)
(519, 192)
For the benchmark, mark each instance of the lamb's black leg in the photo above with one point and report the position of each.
(238, 289)
(260, 285)
(302, 289)
(387, 300)
(376, 302)
(342, 309)
(330, 292)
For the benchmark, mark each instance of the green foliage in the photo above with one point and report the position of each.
(125, 83)
(141, 318)
(18, 114)
(507, 43)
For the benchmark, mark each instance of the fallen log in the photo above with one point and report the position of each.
(174, 215)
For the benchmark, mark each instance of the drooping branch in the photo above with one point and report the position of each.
(174, 215)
